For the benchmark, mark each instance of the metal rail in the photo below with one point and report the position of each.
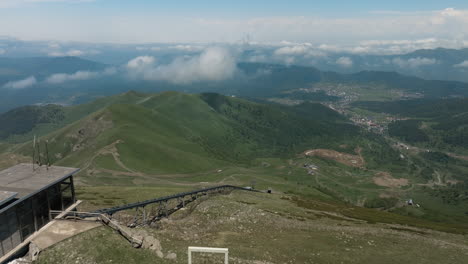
(115, 209)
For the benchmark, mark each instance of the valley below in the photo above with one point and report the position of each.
(340, 193)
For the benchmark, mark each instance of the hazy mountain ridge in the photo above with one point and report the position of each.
(70, 80)
(12, 69)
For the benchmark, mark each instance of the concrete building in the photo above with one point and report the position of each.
(26, 198)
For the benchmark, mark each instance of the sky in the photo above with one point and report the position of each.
(332, 22)
(205, 38)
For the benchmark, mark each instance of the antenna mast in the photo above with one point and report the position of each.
(34, 152)
(39, 152)
(47, 154)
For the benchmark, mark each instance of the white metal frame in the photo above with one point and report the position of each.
(224, 251)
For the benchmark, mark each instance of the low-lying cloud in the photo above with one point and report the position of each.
(21, 84)
(59, 78)
(289, 53)
(213, 64)
(187, 48)
(65, 77)
(414, 62)
(344, 62)
(463, 64)
(72, 53)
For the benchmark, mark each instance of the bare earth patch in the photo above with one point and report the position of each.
(343, 158)
(385, 179)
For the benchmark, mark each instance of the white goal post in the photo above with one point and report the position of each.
(224, 251)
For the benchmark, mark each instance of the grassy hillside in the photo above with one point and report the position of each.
(175, 132)
(22, 123)
(174, 140)
(24, 119)
(270, 228)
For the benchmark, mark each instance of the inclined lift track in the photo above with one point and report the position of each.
(112, 210)
(106, 215)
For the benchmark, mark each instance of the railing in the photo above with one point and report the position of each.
(73, 215)
(115, 209)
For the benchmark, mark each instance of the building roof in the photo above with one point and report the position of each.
(5, 197)
(21, 179)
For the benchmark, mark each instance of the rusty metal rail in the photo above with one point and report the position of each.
(181, 196)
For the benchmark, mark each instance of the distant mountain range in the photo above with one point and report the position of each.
(431, 64)
(71, 80)
(13, 69)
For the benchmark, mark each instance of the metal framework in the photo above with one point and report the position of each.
(149, 211)
(224, 251)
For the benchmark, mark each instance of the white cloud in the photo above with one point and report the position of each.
(2, 51)
(344, 62)
(59, 78)
(374, 33)
(213, 64)
(141, 63)
(187, 48)
(73, 53)
(414, 62)
(77, 76)
(21, 84)
(293, 50)
(390, 47)
(463, 64)
(303, 49)
(140, 48)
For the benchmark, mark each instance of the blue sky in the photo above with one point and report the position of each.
(142, 21)
(239, 8)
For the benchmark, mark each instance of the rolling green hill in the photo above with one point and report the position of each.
(22, 123)
(175, 132)
(173, 140)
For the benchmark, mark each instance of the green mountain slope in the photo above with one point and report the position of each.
(175, 132)
(176, 140)
(22, 123)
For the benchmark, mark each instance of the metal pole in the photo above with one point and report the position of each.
(189, 256)
(34, 151)
(47, 154)
(39, 152)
